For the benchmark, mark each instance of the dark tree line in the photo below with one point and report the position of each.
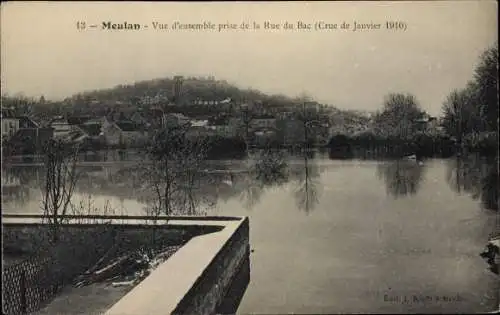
(400, 128)
(469, 121)
(470, 114)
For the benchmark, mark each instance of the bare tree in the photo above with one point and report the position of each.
(473, 110)
(461, 114)
(176, 161)
(190, 159)
(60, 182)
(486, 77)
(313, 119)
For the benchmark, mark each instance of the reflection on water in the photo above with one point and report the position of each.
(307, 191)
(189, 193)
(268, 168)
(271, 168)
(251, 193)
(476, 176)
(15, 185)
(198, 191)
(401, 178)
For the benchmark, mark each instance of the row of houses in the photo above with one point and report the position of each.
(25, 136)
(12, 123)
(132, 129)
(103, 131)
(22, 134)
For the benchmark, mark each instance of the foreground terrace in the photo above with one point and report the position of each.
(205, 269)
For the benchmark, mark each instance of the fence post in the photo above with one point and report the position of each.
(24, 306)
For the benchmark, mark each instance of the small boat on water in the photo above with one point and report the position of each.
(228, 182)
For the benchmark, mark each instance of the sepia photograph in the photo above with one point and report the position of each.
(274, 157)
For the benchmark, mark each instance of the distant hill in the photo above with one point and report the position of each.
(161, 91)
(193, 89)
(131, 97)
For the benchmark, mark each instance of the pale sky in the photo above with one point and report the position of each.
(43, 53)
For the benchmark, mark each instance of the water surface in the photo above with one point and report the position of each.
(336, 236)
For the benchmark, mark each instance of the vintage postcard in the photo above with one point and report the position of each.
(317, 157)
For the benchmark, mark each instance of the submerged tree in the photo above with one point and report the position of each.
(269, 168)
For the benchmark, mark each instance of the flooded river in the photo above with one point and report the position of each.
(332, 235)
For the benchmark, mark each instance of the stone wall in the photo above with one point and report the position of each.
(213, 291)
(235, 292)
(81, 245)
(31, 238)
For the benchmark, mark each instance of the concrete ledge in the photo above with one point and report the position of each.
(196, 279)
(115, 219)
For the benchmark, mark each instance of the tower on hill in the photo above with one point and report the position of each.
(177, 89)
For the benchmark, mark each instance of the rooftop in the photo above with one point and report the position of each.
(98, 121)
(31, 134)
(26, 122)
(78, 120)
(7, 113)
